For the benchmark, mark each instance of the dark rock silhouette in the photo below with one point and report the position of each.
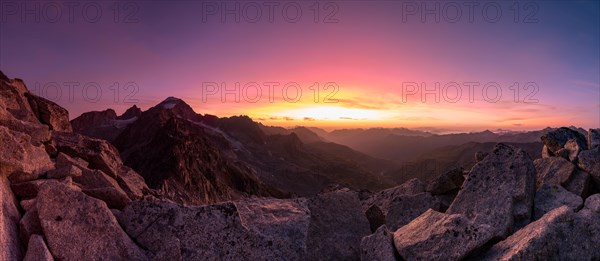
(188, 162)
(557, 139)
(97, 124)
(131, 113)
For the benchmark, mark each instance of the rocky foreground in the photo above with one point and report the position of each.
(66, 196)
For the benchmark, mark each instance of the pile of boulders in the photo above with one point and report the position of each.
(507, 208)
(59, 189)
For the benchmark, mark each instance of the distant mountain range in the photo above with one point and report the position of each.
(400, 154)
(402, 145)
(195, 158)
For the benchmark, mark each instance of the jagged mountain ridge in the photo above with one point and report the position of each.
(105, 124)
(313, 138)
(183, 159)
(424, 155)
(202, 158)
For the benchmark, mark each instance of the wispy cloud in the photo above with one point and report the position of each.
(369, 105)
(512, 119)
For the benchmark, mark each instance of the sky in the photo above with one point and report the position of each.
(448, 65)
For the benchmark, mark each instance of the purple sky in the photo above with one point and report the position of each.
(367, 48)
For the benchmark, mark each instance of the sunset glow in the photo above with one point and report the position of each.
(370, 53)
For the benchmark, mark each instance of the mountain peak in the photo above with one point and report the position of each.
(171, 102)
(175, 106)
(172, 99)
(133, 111)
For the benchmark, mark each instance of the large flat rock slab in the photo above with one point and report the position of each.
(248, 230)
(439, 236)
(282, 223)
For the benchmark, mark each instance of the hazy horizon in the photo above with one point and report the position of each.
(433, 130)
